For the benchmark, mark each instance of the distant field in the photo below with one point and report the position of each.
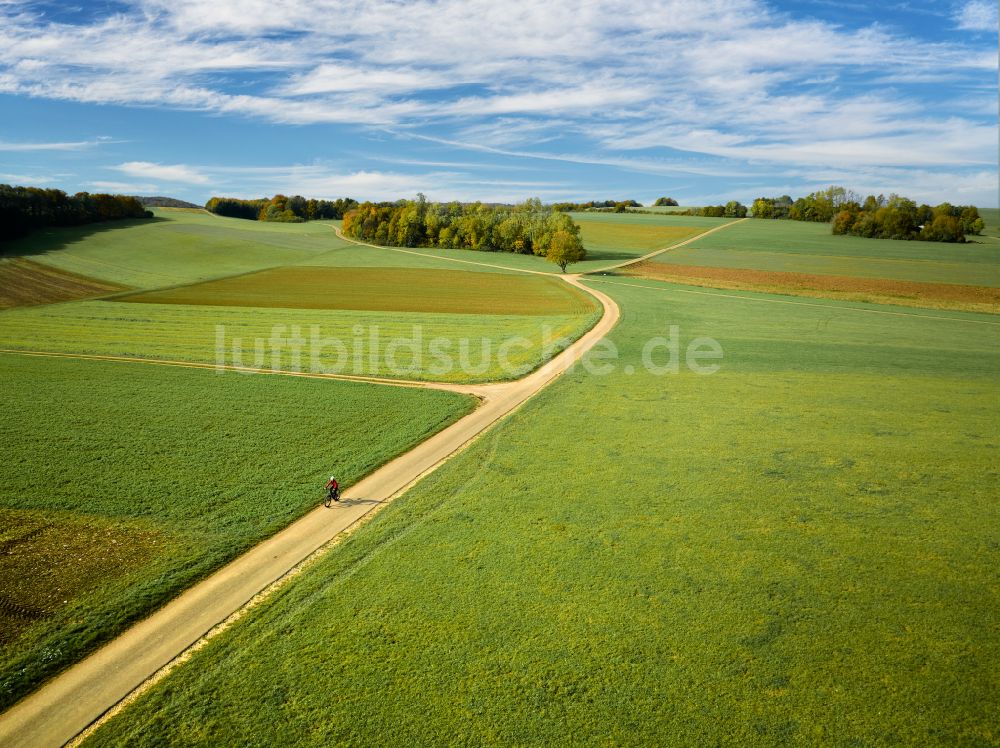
(667, 208)
(179, 246)
(798, 549)
(800, 247)
(614, 239)
(385, 290)
(189, 333)
(608, 237)
(874, 290)
(354, 255)
(991, 216)
(27, 283)
(665, 218)
(125, 483)
(617, 237)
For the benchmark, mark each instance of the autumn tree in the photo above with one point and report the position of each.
(565, 249)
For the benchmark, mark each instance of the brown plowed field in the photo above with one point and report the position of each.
(27, 283)
(878, 290)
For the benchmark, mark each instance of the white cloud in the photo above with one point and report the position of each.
(34, 180)
(165, 172)
(977, 15)
(726, 78)
(78, 145)
(124, 188)
(334, 78)
(325, 182)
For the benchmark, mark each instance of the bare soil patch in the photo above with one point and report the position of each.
(27, 283)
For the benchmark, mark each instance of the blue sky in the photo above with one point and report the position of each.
(467, 99)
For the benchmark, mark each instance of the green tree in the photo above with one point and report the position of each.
(762, 208)
(565, 249)
(735, 209)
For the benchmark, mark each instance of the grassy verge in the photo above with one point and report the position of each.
(801, 548)
(126, 483)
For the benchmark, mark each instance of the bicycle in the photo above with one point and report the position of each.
(331, 496)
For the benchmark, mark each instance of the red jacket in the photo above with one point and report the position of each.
(332, 484)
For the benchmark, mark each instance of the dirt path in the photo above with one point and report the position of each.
(633, 261)
(660, 251)
(66, 705)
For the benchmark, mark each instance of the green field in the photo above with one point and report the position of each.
(616, 237)
(799, 549)
(666, 208)
(296, 279)
(611, 238)
(125, 483)
(354, 255)
(991, 216)
(797, 246)
(383, 289)
(191, 333)
(175, 247)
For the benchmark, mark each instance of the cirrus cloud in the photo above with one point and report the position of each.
(737, 79)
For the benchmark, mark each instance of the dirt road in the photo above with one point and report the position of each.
(72, 701)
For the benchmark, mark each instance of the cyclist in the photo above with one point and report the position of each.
(332, 489)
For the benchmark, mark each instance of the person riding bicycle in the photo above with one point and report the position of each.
(333, 489)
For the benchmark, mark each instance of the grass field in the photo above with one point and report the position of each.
(354, 255)
(385, 290)
(125, 483)
(799, 549)
(991, 217)
(353, 293)
(27, 283)
(618, 241)
(329, 339)
(667, 208)
(611, 238)
(797, 246)
(187, 246)
(175, 247)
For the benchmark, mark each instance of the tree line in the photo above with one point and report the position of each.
(618, 206)
(525, 228)
(732, 209)
(281, 209)
(895, 217)
(23, 209)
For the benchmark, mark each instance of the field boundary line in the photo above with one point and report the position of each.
(793, 303)
(65, 706)
(470, 389)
